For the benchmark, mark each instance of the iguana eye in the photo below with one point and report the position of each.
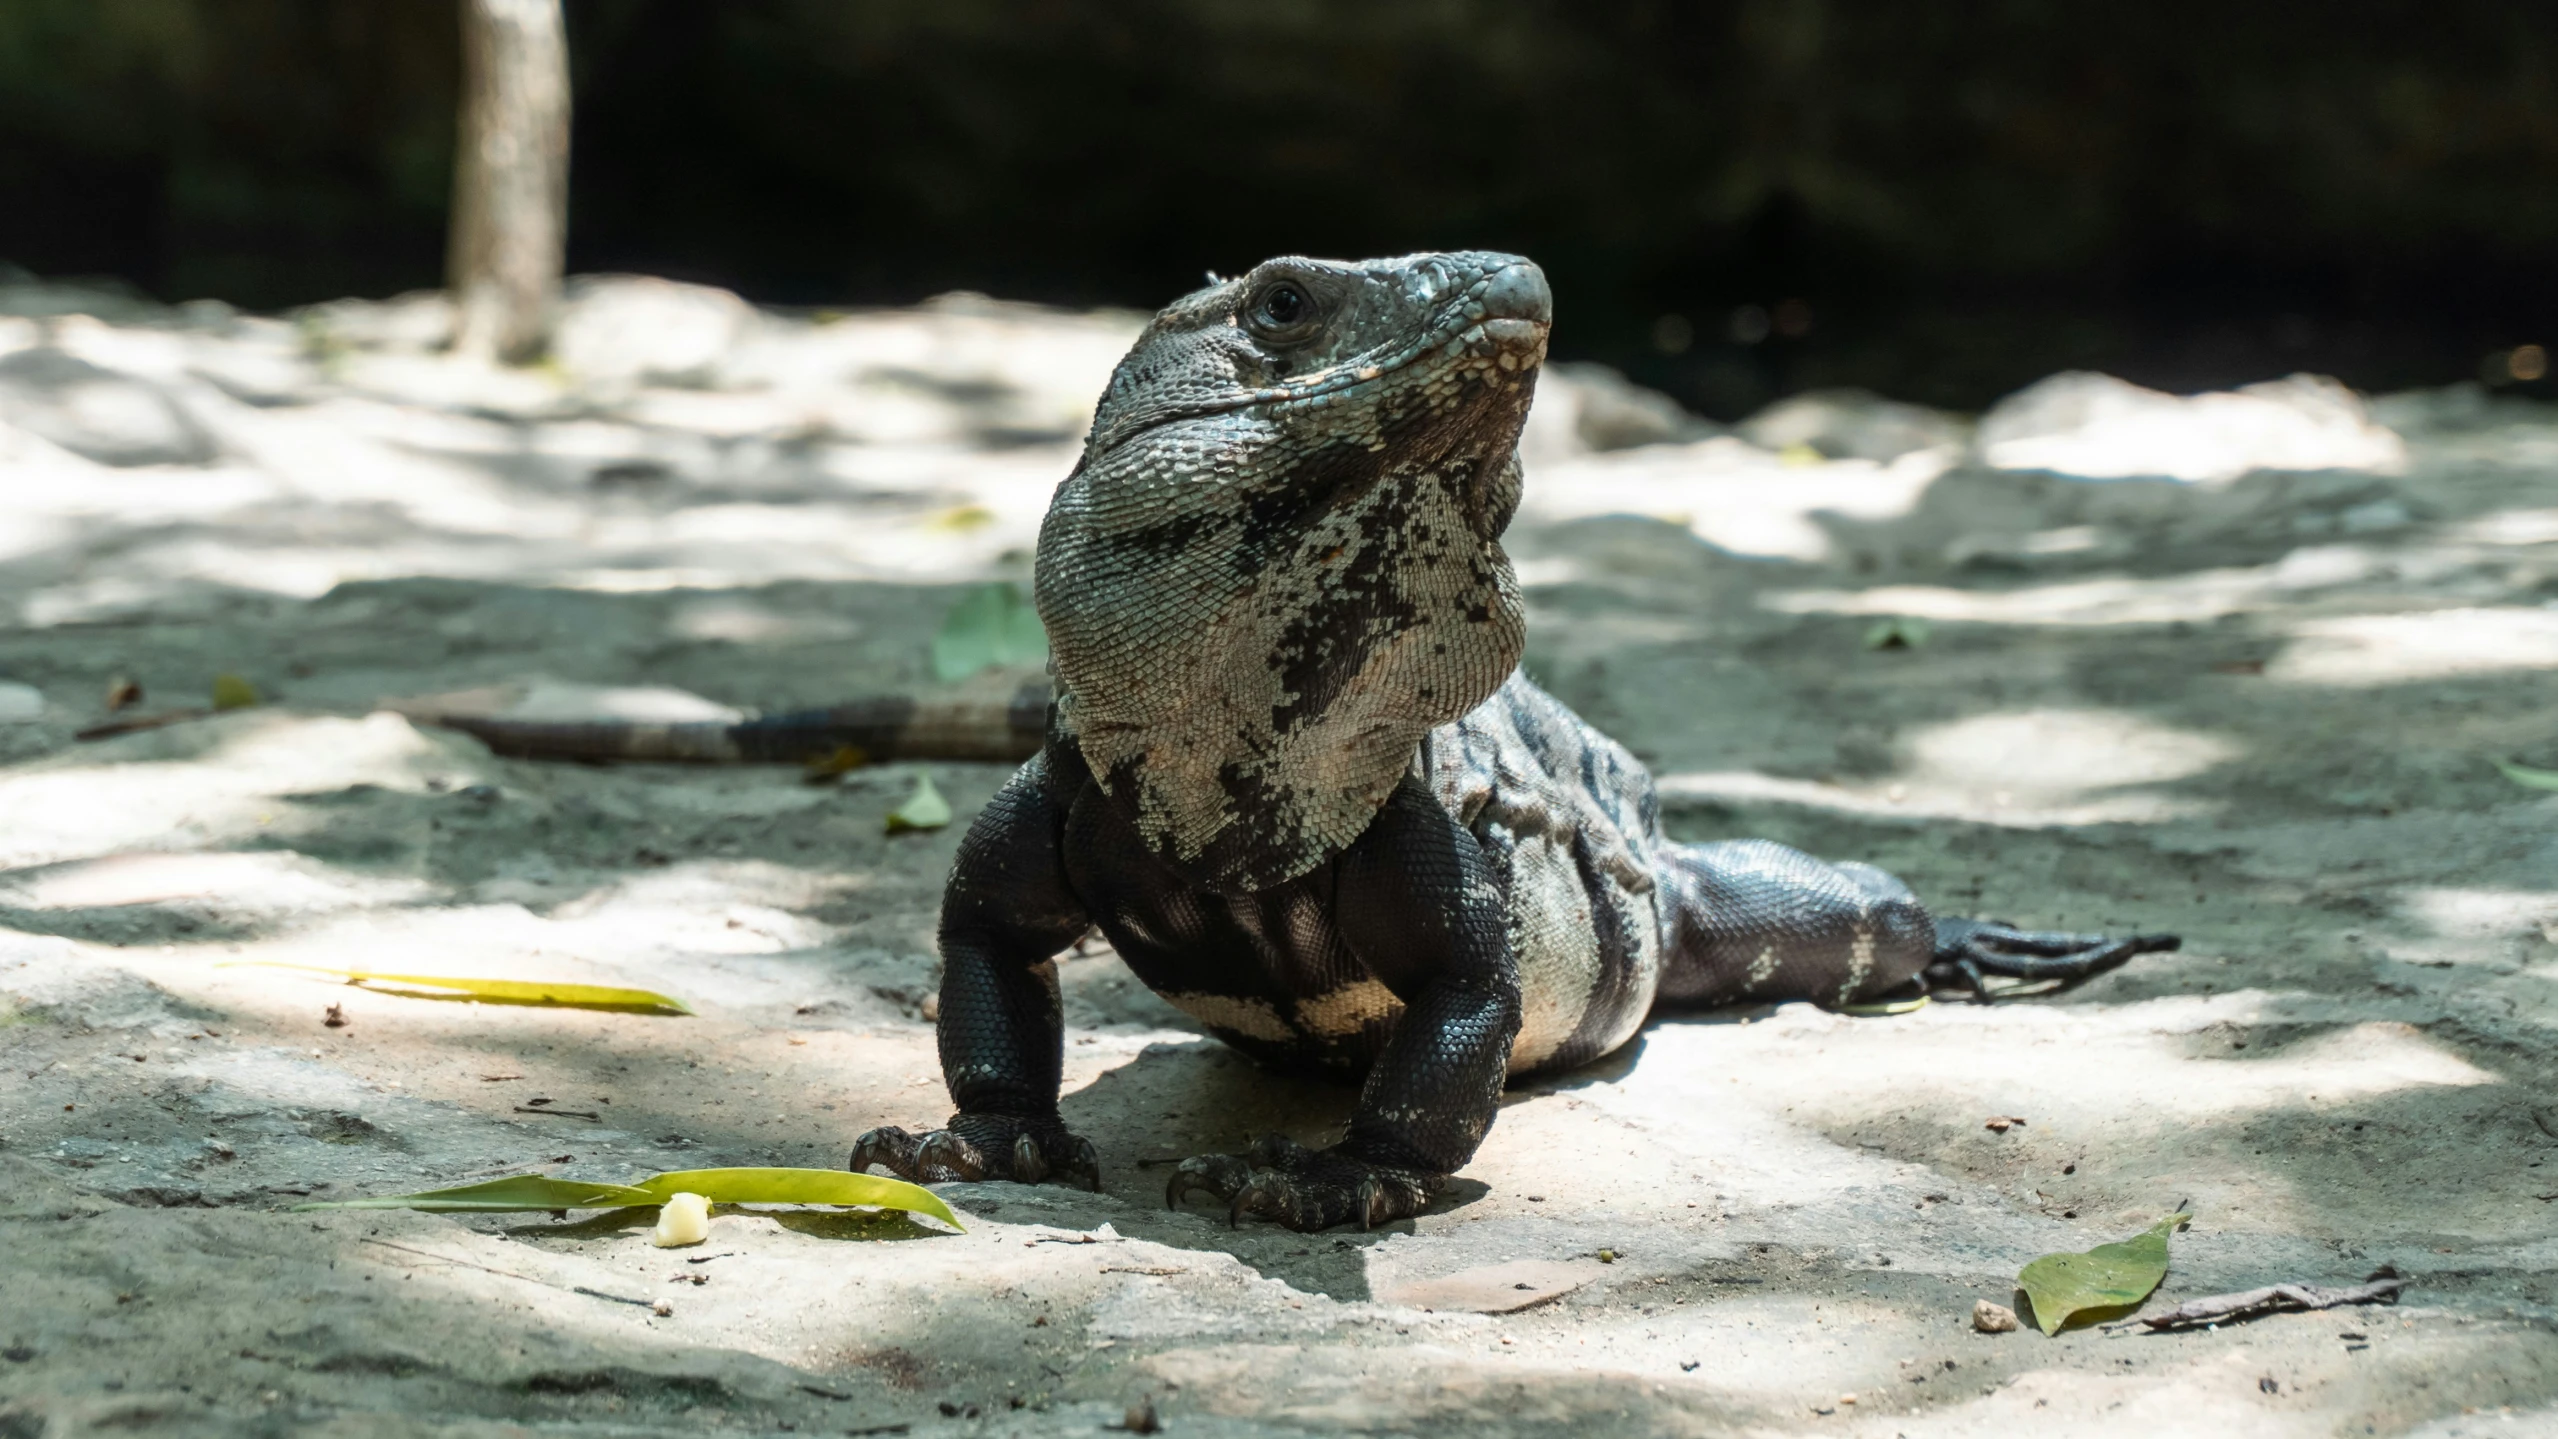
(1281, 309)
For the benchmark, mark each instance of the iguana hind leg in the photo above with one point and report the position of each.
(1755, 920)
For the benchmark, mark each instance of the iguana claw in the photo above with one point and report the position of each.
(1303, 1189)
(1967, 950)
(982, 1146)
(1222, 1175)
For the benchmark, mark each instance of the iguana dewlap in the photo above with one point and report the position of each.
(1293, 774)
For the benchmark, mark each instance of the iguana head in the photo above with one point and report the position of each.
(1278, 565)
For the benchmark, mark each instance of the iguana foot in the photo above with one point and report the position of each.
(982, 1146)
(1968, 950)
(1304, 1189)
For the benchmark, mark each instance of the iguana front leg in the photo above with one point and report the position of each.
(1005, 915)
(1416, 901)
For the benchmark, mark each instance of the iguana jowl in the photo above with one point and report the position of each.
(1295, 778)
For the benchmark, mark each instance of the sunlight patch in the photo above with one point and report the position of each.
(2510, 527)
(2097, 427)
(209, 784)
(2393, 649)
(262, 880)
(2058, 754)
(2196, 598)
(2031, 767)
(1732, 494)
(2486, 913)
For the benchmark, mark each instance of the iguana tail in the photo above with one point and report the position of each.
(885, 727)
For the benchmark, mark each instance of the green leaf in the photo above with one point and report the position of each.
(498, 991)
(2106, 1282)
(924, 809)
(2528, 777)
(518, 1193)
(800, 1186)
(231, 692)
(1897, 634)
(990, 626)
(514, 1193)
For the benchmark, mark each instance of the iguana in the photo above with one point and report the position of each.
(1293, 774)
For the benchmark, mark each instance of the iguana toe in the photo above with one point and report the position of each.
(1223, 1175)
(1969, 950)
(1303, 1189)
(981, 1146)
(1063, 1156)
(889, 1147)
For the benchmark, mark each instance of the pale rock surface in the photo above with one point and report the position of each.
(641, 329)
(97, 413)
(1587, 408)
(2097, 427)
(1850, 424)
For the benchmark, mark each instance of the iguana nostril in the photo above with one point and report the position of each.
(1519, 292)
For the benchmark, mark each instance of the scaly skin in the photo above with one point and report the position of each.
(1294, 777)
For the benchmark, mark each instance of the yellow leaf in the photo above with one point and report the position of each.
(499, 991)
(514, 1193)
(960, 519)
(800, 1186)
(1884, 1007)
(230, 692)
(525, 1192)
(841, 760)
(2528, 777)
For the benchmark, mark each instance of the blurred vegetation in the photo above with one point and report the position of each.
(1955, 199)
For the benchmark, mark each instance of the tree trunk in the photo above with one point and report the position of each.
(510, 179)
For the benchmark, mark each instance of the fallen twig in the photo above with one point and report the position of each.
(2273, 1298)
(569, 1113)
(112, 728)
(508, 1273)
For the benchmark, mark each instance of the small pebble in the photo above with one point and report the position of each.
(683, 1219)
(1992, 1318)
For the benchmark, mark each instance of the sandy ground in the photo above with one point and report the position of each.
(2258, 707)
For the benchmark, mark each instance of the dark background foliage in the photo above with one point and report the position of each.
(1734, 199)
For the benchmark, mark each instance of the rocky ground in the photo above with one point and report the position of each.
(2244, 678)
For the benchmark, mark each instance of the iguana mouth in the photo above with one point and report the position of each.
(1508, 312)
